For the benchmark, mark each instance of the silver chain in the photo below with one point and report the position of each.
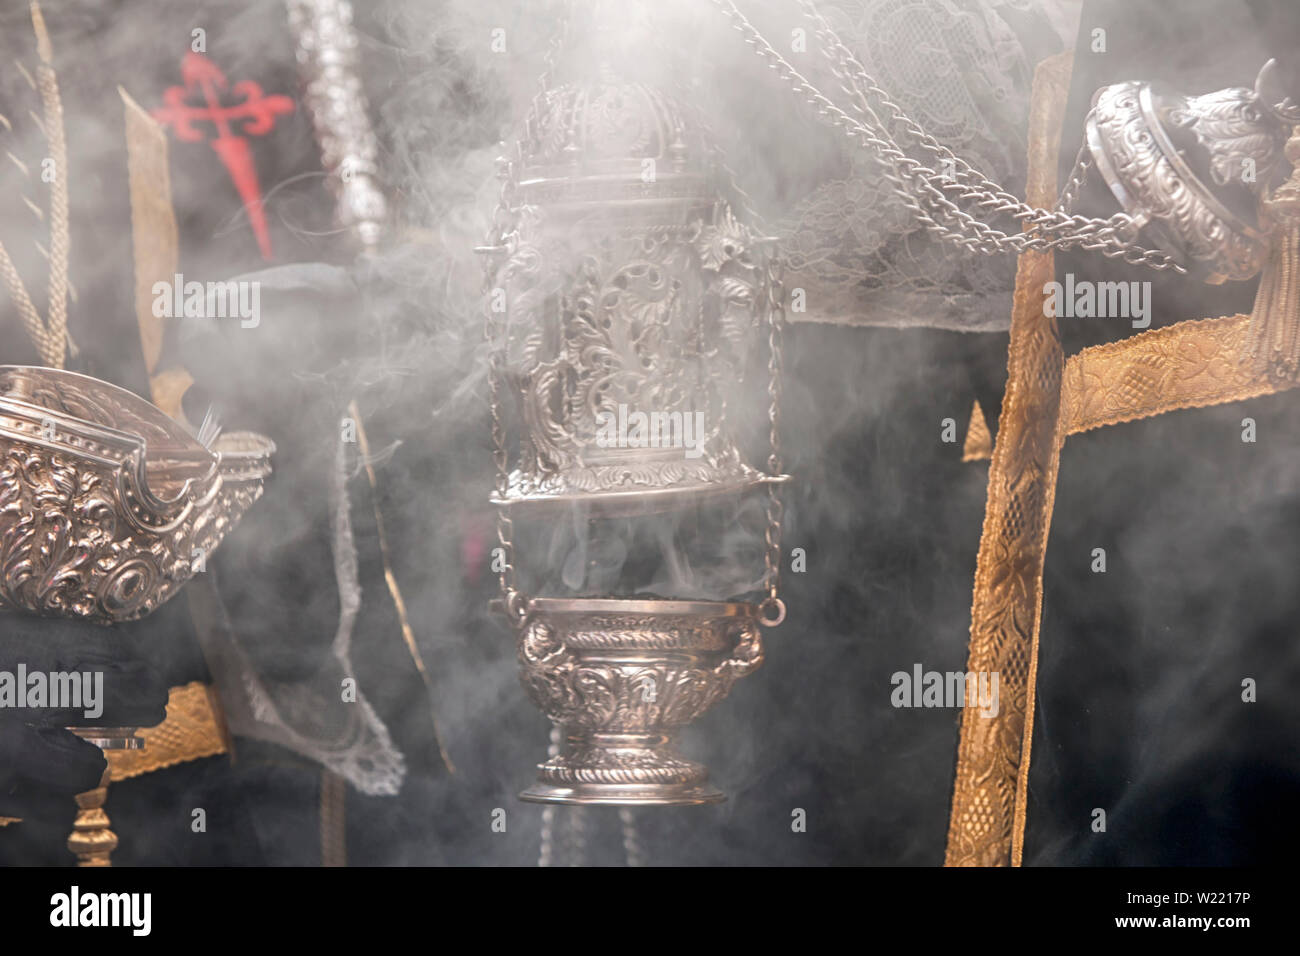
(576, 842)
(495, 333)
(1078, 176)
(546, 849)
(922, 190)
(771, 611)
(771, 302)
(632, 848)
(501, 243)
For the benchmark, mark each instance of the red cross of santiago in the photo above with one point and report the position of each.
(253, 116)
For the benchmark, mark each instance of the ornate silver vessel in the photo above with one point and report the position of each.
(625, 304)
(1194, 167)
(619, 678)
(107, 506)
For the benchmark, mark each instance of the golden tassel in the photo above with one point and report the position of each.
(1273, 341)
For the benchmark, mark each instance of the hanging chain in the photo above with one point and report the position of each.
(1112, 236)
(546, 849)
(576, 842)
(1078, 175)
(632, 849)
(771, 610)
(770, 303)
(500, 246)
(922, 190)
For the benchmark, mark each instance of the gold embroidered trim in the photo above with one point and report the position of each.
(1191, 364)
(1008, 576)
(192, 730)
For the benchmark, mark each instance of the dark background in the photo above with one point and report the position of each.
(1139, 707)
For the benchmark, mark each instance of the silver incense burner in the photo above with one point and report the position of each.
(622, 287)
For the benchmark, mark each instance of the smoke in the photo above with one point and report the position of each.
(886, 514)
(401, 334)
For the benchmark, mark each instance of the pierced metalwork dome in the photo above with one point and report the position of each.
(615, 142)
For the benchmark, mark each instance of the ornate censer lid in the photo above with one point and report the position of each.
(107, 505)
(1194, 167)
(616, 147)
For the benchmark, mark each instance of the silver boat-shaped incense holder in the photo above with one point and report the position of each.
(107, 505)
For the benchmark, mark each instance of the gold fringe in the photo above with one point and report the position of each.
(1273, 344)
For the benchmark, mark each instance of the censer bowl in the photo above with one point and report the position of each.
(620, 678)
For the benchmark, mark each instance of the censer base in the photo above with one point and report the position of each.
(619, 769)
(624, 795)
(622, 769)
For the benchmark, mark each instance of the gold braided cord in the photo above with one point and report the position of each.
(50, 338)
(31, 319)
(58, 143)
